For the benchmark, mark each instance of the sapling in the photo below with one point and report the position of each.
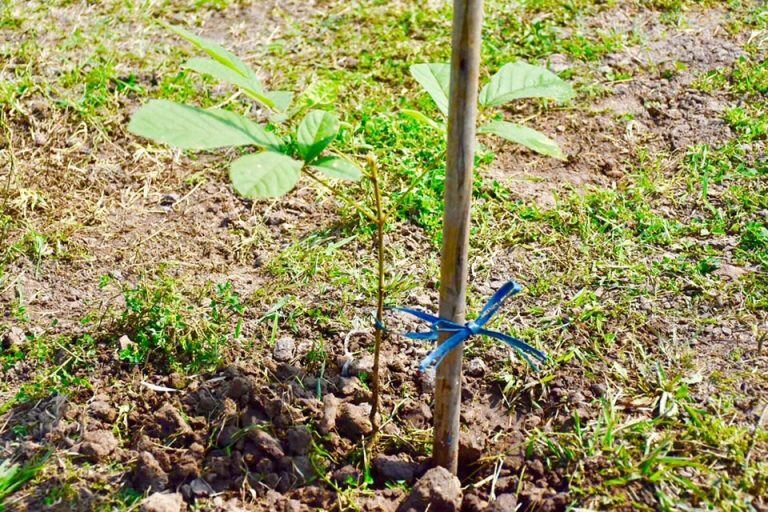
(515, 80)
(271, 172)
(276, 169)
(454, 88)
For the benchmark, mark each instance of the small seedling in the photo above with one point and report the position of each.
(276, 169)
(171, 331)
(515, 80)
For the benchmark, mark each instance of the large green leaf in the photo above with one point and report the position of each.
(528, 137)
(266, 174)
(251, 85)
(339, 168)
(215, 51)
(281, 99)
(435, 78)
(316, 131)
(187, 127)
(522, 80)
(226, 66)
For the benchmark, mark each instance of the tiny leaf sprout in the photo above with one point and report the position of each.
(271, 172)
(515, 80)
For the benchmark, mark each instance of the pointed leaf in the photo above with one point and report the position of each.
(316, 131)
(281, 99)
(339, 168)
(266, 174)
(215, 51)
(187, 127)
(250, 85)
(528, 137)
(435, 78)
(522, 80)
(421, 118)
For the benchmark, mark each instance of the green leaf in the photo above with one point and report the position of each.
(281, 99)
(215, 51)
(187, 127)
(250, 85)
(435, 78)
(316, 131)
(266, 174)
(528, 137)
(339, 168)
(522, 80)
(421, 118)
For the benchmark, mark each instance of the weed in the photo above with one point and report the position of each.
(168, 329)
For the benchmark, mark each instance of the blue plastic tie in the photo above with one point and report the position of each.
(461, 333)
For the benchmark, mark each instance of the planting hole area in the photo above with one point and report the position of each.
(211, 210)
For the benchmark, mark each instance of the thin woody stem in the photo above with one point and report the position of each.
(366, 213)
(378, 333)
(11, 158)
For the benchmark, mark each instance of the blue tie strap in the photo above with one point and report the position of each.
(460, 333)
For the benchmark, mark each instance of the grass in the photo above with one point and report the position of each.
(14, 475)
(162, 325)
(171, 332)
(625, 284)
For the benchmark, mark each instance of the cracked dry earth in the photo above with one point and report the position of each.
(271, 431)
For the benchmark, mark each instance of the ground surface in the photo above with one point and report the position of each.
(644, 258)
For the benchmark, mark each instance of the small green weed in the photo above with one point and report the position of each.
(168, 329)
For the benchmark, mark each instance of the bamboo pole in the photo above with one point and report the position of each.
(465, 68)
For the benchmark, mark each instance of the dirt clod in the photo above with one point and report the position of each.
(363, 365)
(13, 338)
(438, 489)
(149, 475)
(386, 501)
(266, 443)
(352, 421)
(240, 388)
(475, 367)
(298, 440)
(284, 349)
(473, 503)
(471, 446)
(200, 488)
(98, 444)
(330, 411)
(503, 503)
(170, 422)
(348, 474)
(101, 410)
(162, 502)
(394, 468)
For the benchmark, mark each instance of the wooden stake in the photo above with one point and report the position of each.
(465, 68)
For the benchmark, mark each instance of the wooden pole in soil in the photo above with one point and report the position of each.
(462, 114)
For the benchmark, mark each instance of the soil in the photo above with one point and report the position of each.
(655, 109)
(248, 437)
